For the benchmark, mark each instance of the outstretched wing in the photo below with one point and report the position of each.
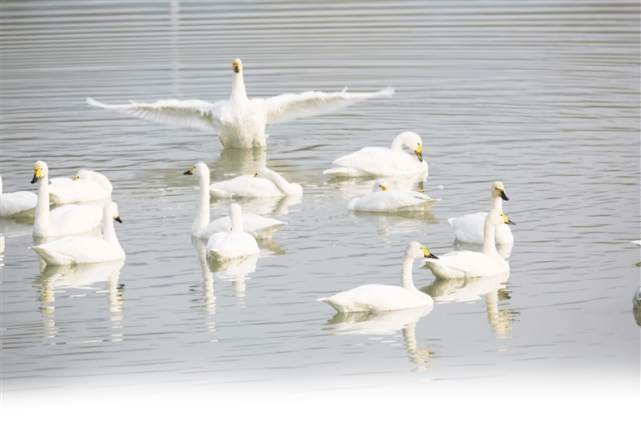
(292, 106)
(192, 113)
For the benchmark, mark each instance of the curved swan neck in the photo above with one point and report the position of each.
(406, 275)
(280, 182)
(202, 216)
(238, 94)
(109, 232)
(397, 144)
(41, 221)
(489, 243)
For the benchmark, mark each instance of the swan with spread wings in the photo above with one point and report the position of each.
(240, 122)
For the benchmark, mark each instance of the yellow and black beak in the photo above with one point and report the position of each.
(419, 154)
(507, 220)
(384, 188)
(256, 174)
(76, 178)
(117, 218)
(428, 254)
(236, 67)
(190, 171)
(37, 173)
(502, 194)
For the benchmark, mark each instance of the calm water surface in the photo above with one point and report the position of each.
(542, 96)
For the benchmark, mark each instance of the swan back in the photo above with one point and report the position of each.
(95, 176)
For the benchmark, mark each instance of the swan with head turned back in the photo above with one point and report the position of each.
(381, 161)
(469, 228)
(240, 122)
(264, 183)
(64, 220)
(383, 297)
(86, 186)
(17, 203)
(384, 199)
(255, 225)
(235, 243)
(461, 264)
(85, 250)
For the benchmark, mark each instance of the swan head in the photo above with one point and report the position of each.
(496, 217)
(237, 65)
(413, 141)
(416, 250)
(40, 170)
(82, 174)
(199, 169)
(498, 191)
(380, 185)
(111, 210)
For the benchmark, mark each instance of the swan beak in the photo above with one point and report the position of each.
(256, 174)
(510, 222)
(37, 173)
(117, 218)
(384, 188)
(236, 67)
(419, 154)
(506, 220)
(502, 194)
(76, 178)
(428, 254)
(35, 178)
(190, 171)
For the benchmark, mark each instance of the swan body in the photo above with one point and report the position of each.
(16, 203)
(65, 219)
(383, 199)
(255, 225)
(240, 122)
(461, 264)
(381, 161)
(85, 250)
(377, 298)
(86, 186)
(469, 228)
(235, 243)
(265, 183)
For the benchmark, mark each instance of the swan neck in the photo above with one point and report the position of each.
(497, 203)
(202, 216)
(397, 144)
(406, 275)
(41, 221)
(238, 93)
(280, 182)
(489, 243)
(236, 221)
(109, 232)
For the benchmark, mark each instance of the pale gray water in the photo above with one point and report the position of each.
(543, 96)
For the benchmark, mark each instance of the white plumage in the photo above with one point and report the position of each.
(86, 186)
(240, 122)
(265, 183)
(235, 243)
(18, 203)
(384, 199)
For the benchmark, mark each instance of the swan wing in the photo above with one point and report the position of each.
(14, 203)
(292, 106)
(376, 298)
(82, 190)
(380, 161)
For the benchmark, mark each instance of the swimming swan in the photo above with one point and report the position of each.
(386, 298)
(382, 199)
(86, 186)
(85, 250)
(17, 203)
(235, 243)
(255, 225)
(264, 183)
(380, 161)
(240, 121)
(63, 220)
(469, 228)
(474, 264)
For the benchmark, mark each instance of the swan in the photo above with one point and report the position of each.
(380, 161)
(255, 225)
(383, 297)
(86, 186)
(235, 243)
(382, 199)
(469, 228)
(460, 264)
(85, 250)
(264, 183)
(17, 203)
(65, 219)
(240, 121)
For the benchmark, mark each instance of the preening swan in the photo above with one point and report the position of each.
(240, 121)
(384, 199)
(383, 297)
(235, 243)
(264, 183)
(255, 225)
(86, 186)
(16, 203)
(474, 264)
(85, 250)
(469, 228)
(63, 220)
(380, 161)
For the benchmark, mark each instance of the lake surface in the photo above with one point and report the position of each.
(541, 96)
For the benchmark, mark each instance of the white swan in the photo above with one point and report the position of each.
(86, 186)
(383, 297)
(85, 250)
(255, 225)
(382, 199)
(240, 121)
(264, 183)
(16, 203)
(469, 228)
(235, 243)
(380, 161)
(474, 264)
(63, 220)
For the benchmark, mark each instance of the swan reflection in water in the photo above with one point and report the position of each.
(387, 323)
(472, 289)
(397, 222)
(241, 161)
(235, 271)
(260, 206)
(636, 306)
(354, 186)
(60, 278)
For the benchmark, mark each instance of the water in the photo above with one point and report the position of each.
(544, 97)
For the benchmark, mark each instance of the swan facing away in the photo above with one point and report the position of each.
(255, 225)
(383, 297)
(240, 122)
(469, 228)
(86, 186)
(264, 183)
(381, 161)
(382, 199)
(85, 250)
(235, 243)
(64, 220)
(17, 203)
(461, 264)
